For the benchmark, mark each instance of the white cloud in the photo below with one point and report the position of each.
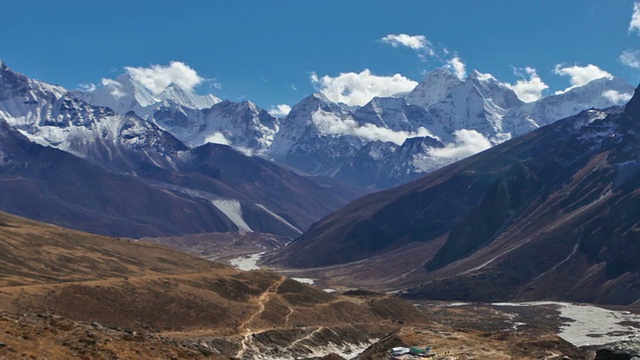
(617, 97)
(634, 25)
(467, 143)
(87, 87)
(115, 88)
(529, 88)
(280, 110)
(631, 58)
(415, 42)
(330, 124)
(458, 68)
(580, 75)
(357, 89)
(157, 77)
(213, 83)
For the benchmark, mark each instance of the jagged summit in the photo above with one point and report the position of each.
(176, 93)
(125, 93)
(435, 86)
(13, 83)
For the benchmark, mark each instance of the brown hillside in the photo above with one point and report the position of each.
(132, 286)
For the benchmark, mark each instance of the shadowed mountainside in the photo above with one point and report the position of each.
(552, 214)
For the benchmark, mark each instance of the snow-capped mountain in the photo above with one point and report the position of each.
(549, 214)
(124, 94)
(72, 157)
(311, 137)
(455, 118)
(194, 119)
(51, 116)
(598, 94)
(479, 103)
(435, 86)
(374, 145)
(242, 125)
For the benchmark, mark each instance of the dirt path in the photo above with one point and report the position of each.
(244, 329)
(262, 300)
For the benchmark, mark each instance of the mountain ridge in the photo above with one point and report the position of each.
(220, 188)
(550, 207)
(439, 107)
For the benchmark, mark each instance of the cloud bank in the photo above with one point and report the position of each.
(115, 88)
(530, 87)
(280, 110)
(357, 89)
(617, 97)
(157, 77)
(466, 143)
(580, 75)
(330, 124)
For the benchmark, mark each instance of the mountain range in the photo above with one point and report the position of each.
(175, 163)
(515, 201)
(551, 214)
(386, 142)
(87, 167)
(390, 141)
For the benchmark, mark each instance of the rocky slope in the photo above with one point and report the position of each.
(547, 215)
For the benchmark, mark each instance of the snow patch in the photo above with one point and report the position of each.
(304, 280)
(278, 217)
(233, 211)
(247, 263)
(588, 324)
(217, 138)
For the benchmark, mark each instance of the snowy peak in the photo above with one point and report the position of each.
(392, 113)
(243, 125)
(600, 94)
(188, 99)
(125, 94)
(16, 85)
(122, 95)
(440, 83)
(435, 86)
(493, 90)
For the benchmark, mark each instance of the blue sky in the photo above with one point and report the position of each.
(267, 51)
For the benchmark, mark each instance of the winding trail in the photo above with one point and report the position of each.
(262, 300)
(244, 329)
